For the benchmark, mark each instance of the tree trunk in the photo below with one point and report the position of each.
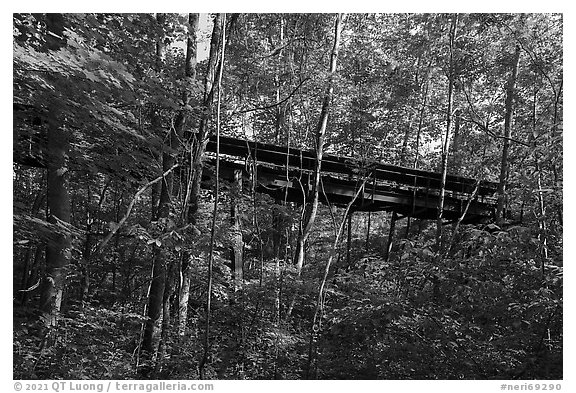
(206, 344)
(153, 329)
(154, 194)
(311, 207)
(421, 113)
(166, 316)
(456, 144)
(405, 141)
(507, 134)
(158, 291)
(236, 234)
(280, 109)
(58, 249)
(201, 138)
(184, 295)
(390, 236)
(349, 240)
(542, 235)
(191, 47)
(86, 254)
(185, 272)
(446, 145)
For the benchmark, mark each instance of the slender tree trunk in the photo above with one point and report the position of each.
(184, 295)
(156, 192)
(390, 236)
(86, 254)
(403, 160)
(201, 138)
(405, 141)
(507, 134)
(236, 234)
(206, 343)
(191, 48)
(279, 229)
(58, 249)
(421, 117)
(153, 329)
(349, 239)
(185, 273)
(557, 183)
(421, 114)
(368, 232)
(311, 207)
(542, 236)
(280, 109)
(446, 145)
(456, 143)
(166, 315)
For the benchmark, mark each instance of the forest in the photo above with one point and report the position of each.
(287, 196)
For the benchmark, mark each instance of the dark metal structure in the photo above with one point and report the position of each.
(287, 174)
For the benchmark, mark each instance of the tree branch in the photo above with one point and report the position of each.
(492, 134)
(115, 229)
(261, 108)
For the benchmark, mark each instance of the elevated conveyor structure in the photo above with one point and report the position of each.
(287, 173)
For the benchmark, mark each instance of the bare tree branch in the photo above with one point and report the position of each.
(262, 108)
(492, 134)
(115, 229)
(484, 127)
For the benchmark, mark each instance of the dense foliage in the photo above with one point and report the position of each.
(120, 95)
